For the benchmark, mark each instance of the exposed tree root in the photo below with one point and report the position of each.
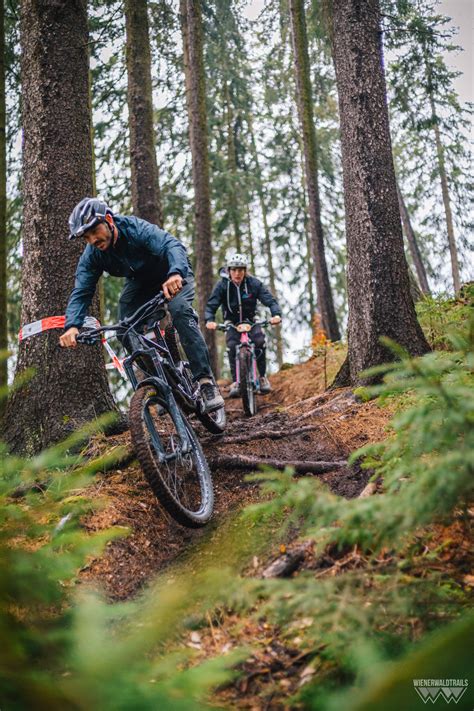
(225, 461)
(327, 406)
(286, 564)
(261, 434)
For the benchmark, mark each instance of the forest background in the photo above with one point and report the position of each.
(392, 573)
(258, 192)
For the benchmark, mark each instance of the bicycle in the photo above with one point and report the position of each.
(246, 364)
(164, 441)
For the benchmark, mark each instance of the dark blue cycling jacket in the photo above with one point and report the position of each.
(142, 251)
(240, 302)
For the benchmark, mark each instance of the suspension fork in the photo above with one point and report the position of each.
(165, 393)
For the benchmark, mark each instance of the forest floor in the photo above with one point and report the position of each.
(300, 421)
(332, 424)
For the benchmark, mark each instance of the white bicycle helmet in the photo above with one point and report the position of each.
(237, 260)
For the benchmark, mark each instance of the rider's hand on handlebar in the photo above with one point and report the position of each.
(211, 325)
(68, 339)
(172, 285)
(275, 320)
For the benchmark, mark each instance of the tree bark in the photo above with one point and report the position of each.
(70, 385)
(191, 28)
(305, 111)
(377, 277)
(3, 214)
(233, 181)
(145, 181)
(446, 200)
(413, 244)
(250, 238)
(266, 231)
(308, 242)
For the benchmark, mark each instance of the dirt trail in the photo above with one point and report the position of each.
(333, 425)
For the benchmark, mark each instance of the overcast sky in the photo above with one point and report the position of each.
(462, 14)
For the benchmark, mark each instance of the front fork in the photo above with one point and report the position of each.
(165, 397)
(250, 346)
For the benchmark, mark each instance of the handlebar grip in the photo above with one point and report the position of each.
(86, 339)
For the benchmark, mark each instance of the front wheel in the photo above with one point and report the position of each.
(180, 480)
(247, 389)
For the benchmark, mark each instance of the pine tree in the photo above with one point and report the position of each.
(69, 386)
(378, 286)
(3, 208)
(432, 125)
(145, 184)
(304, 99)
(413, 244)
(191, 25)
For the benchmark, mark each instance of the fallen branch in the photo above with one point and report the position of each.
(226, 461)
(369, 490)
(286, 564)
(260, 434)
(312, 399)
(327, 406)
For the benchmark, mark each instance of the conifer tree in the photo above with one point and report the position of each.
(304, 99)
(380, 303)
(3, 208)
(144, 169)
(70, 386)
(413, 244)
(432, 124)
(191, 26)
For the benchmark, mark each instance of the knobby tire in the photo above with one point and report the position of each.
(175, 483)
(249, 398)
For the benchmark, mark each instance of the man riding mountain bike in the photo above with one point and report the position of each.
(237, 293)
(151, 260)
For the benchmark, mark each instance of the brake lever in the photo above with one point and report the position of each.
(87, 339)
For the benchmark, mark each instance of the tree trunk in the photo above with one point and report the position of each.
(266, 231)
(196, 102)
(378, 286)
(3, 213)
(309, 257)
(250, 239)
(232, 171)
(413, 244)
(70, 385)
(145, 182)
(305, 111)
(446, 201)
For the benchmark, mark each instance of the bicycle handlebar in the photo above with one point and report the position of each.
(91, 336)
(229, 324)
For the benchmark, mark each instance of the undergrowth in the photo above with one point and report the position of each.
(366, 627)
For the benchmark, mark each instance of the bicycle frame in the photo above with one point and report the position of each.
(163, 366)
(164, 391)
(245, 342)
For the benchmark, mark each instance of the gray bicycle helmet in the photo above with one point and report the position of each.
(86, 215)
(236, 261)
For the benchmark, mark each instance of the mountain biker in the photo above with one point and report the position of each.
(237, 293)
(151, 260)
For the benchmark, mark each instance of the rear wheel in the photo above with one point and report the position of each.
(181, 480)
(249, 398)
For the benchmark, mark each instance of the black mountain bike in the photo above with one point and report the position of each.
(165, 395)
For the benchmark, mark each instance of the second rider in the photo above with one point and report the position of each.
(237, 293)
